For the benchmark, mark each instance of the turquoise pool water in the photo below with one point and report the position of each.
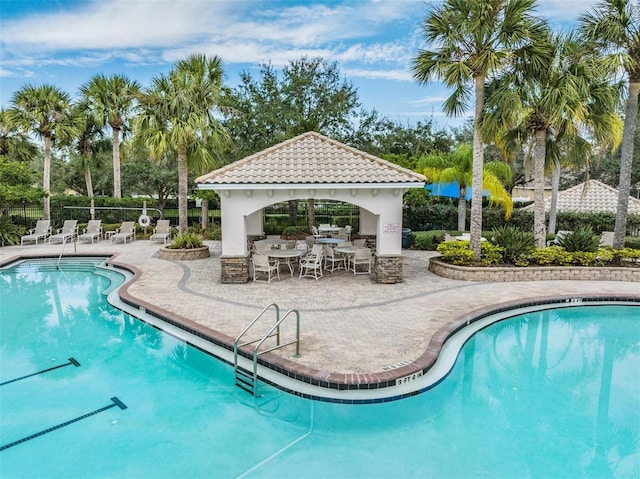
(553, 393)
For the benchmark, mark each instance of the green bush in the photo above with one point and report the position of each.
(186, 241)
(491, 254)
(456, 252)
(428, 240)
(552, 255)
(581, 239)
(295, 232)
(632, 242)
(516, 244)
(10, 234)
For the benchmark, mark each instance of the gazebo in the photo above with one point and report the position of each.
(311, 166)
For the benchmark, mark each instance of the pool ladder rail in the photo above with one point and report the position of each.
(247, 379)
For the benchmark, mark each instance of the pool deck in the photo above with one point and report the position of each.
(352, 329)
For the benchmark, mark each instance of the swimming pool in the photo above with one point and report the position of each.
(552, 393)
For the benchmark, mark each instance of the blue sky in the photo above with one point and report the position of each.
(66, 42)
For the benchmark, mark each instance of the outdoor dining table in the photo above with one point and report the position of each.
(331, 230)
(275, 242)
(330, 241)
(347, 251)
(286, 254)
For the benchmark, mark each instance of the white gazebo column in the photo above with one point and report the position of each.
(234, 261)
(387, 266)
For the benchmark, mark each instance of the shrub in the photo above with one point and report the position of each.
(632, 242)
(552, 255)
(581, 239)
(10, 234)
(516, 244)
(186, 241)
(295, 232)
(428, 240)
(491, 254)
(456, 252)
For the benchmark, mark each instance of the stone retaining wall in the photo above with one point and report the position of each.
(183, 254)
(533, 273)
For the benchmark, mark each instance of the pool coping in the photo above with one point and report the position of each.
(353, 388)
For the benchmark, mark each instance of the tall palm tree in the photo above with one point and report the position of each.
(475, 40)
(113, 98)
(613, 28)
(550, 105)
(178, 114)
(88, 141)
(44, 111)
(457, 167)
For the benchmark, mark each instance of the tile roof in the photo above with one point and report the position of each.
(596, 197)
(311, 158)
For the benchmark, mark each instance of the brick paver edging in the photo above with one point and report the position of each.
(533, 273)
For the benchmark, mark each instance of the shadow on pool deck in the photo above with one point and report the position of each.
(351, 328)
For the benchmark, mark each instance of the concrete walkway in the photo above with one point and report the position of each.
(349, 325)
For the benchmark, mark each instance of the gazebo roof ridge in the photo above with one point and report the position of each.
(311, 158)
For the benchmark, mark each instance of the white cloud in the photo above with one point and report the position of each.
(398, 75)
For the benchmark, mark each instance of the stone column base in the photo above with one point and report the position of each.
(234, 269)
(387, 269)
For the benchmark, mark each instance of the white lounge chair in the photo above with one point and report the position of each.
(92, 232)
(40, 232)
(162, 231)
(127, 231)
(261, 264)
(67, 233)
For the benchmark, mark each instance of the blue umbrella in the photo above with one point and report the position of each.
(450, 190)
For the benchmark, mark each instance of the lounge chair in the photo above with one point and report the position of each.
(261, 264)
(67, 233)
(92, 232)
(162, 231)
(40, 232)
(127, 231)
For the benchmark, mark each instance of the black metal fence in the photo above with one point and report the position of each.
(276, 217)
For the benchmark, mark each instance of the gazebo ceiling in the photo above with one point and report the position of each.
(310, 159)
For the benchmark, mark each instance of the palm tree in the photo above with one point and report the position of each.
(178, 115)
(476, 39)
(457, 167)
(14, 143)
(613, 29)
(113, 98)
(88, 141)
(553, 105)
(44, 111)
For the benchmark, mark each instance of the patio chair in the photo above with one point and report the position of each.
(311, 265)
(362, 257)
(162, 231)
(92, 232)
(40, 232)
(360, 243)
(68, 232)
(261, 264)
(127, 231)
(332, 258)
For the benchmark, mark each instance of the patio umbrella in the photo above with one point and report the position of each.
(450, 190)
